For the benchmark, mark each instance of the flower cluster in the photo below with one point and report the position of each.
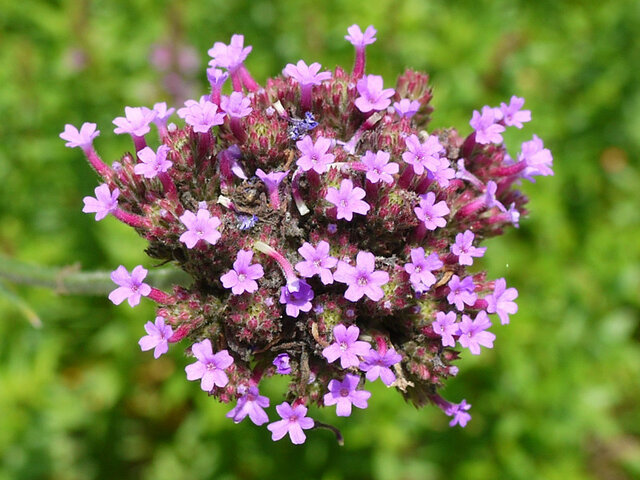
(328, 233)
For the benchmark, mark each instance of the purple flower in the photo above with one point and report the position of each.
(538, 159)
(130, 285)
(459, 414)
(135, 122)
(281, 363)
(425, 155)
(512, 115)
(501, 301)
(200, 226)
(464, 249)
(83, 138)
(431, 213)
(152, 163)
(443, 173)
(294, 421)
(372, 96)
(297, 295)
(421, 267)
(344, 394)
(359, 39)
(209, 367)
(513, 215)
(252, 404)
(236, 105)
(216, 77)
(461, 292)
(306, 75)
(406, 108)
(314, 155)
(104, 203)
(229, 56)
(272, 180)
(490, 196)
(158, 335)
(201, 115)
(378, 167)
(317, 262)
(377, 365)
(362, 279)
(348, 200)
(473, 334)
(162, 113)
(346, 346)
(486, 126)
(244, 274)
(445, 325)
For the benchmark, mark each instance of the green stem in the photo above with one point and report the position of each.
(71, 281)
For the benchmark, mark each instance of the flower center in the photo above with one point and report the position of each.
(343, 346)
(363, 281)
(344, 392)
(242, 277)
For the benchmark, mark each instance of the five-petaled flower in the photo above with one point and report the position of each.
(423, 155)
(464, 249)
(431, 213)
(83, 138)
(487, 128)
(104, 203)
(229, 56)
(460, 414)
(314, 155)
(201, 115)
(376, 364)
(461, 292)
(317, 261)
(209, 367)
(473, 334)
(236, 105)
(445, 325)
(153, 163)
(130, 285)
(251, 404)
(420, 268)
(359, 39)
(244, 274)
(297, 296)
(306, 75)
(346, 346)
(294, 421)
(158, 335)
(406, 108)
(512, 114)
(538, 159)
(378, 167)
(343, 394)
(348, 200)
(135, 122)
(200, 226)
(373, 97)
(363, 279)
(501, 301)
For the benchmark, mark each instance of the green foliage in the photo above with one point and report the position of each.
(556, 398)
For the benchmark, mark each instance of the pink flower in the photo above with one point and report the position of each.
(406, 108)
(152, 163)
(359, 39)
(317, 261)
(362, 279)
(306, 75)
(501, 301)
(294, 421)
(346, 346)
(486, 125)
(244, 274)
(103, 204)
(130, 286)
(135, 122)
(473, 334)
(343, 394)
(431, 213)
(229, 56)
(372, 96)
(158, 335)
(445, 325)
(512, 115)
(236, 105)
(83, 138)
(464, 249)
(251, 404)
(209, 367)
(378, 167)
(348, 200)
(200, 226)
(425, 155)
(314, 155)
(201, 115)
(377, 365)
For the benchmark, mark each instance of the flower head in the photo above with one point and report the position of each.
(346, 346)
(423, 155)
(445, 325)
(244, 274)
(461, 292)
(501, 301)
(378, 167)
(359, 39)
(406, 108)
(487, 128)
(306, 75)
(294, 421)
(363, 279)
(464, 249)
(200, 226)
(130, 285)
(372, 95)
(473, 333)
(135, 122)
(376, 364)
(209, 367)
(512, 114)
(348, 200)
(83, 138)
(343, 394)
(201, 115)
(251, 404)
(104, 203)
(431, 213)
(153, 163)
(158, 335)
(236, 105)
(317, 261)
(314, 155)
(229, 56)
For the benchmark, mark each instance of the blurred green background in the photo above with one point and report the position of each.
(557, 398)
